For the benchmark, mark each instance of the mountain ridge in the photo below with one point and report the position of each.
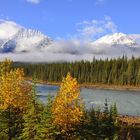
(118, 38)
(22, 40)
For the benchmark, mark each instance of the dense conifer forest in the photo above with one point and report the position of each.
(121, 71)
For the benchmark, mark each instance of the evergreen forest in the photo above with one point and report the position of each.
(121, 71)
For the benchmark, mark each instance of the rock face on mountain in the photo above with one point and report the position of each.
(14, 38)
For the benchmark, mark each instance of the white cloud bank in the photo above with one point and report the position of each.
(60, 57)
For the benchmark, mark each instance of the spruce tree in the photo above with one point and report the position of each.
(32, 119)
(47, 130)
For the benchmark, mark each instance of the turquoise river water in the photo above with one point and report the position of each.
(128, 102)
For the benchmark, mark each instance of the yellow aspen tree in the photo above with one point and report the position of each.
(14, 91)
(14, 96)
(67, 108)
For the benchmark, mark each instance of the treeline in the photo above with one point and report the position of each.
(24, 117)
(121, 71)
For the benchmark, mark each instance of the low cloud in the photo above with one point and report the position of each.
(73, 50)
(72, 46)
(47, 56)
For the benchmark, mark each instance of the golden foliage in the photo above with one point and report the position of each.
(14, 91)
(67, 108)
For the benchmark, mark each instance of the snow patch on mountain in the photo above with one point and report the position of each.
(117, 39)
(8, 29)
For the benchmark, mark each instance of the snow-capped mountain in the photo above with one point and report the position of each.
(118, 39)
(117, 44)
(15, 38)
(18, 43)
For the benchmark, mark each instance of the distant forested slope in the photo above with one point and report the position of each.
(121, 71)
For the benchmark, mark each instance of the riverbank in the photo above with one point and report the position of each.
(112, 87)
(96, 86)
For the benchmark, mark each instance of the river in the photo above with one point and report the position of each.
(128, 102)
